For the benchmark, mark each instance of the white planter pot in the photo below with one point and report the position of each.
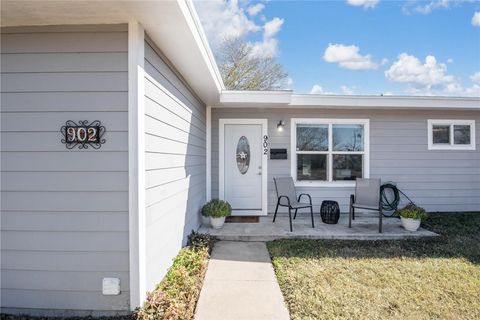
(205, 220)
(410, 224)
(217, 223)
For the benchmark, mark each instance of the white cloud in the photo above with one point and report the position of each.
(420, 76)
(255, 9)
(476, 19)
(366, 4)
(318, 89)
(348, 90)
(348, 57)
(384, 61)
(475, 77)
(234, 19)
(457, 89)
(474, 90)
(223, 20)
(272, 27)
(449, 60)
(429, 77)
(345, 90)
(426, 7)
(268, 47)
(432, 5)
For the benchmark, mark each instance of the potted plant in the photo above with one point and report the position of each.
(204, 218)
(411, 216)
(217, 210)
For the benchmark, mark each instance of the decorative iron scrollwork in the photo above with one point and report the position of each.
(83, 134)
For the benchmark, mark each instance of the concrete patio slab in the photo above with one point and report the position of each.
(240, 284)
(364, 227)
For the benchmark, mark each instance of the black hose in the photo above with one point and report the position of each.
(391, 204)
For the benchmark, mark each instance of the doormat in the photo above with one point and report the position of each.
(242, 219)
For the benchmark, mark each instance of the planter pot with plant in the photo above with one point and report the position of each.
(217, 210)
(412, 216)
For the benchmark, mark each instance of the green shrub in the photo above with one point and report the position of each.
(176, 296)
(216, 209)
(200, 240)
(411, 211)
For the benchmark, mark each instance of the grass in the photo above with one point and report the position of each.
(435, 278)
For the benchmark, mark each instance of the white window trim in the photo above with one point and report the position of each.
(365, 152)
(451, 145)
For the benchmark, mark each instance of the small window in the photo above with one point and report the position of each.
(451, 135)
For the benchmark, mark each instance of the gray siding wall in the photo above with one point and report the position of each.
(175, 162)
(64, 213)
(436, 180)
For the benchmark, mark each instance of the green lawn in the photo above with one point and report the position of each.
(435, 278)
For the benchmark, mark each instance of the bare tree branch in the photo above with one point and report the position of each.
(241, 70)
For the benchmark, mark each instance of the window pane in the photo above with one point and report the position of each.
(461, 134)
(312, 137)
(347, 166)
(311, 167)
(441, 133)
(347, 137)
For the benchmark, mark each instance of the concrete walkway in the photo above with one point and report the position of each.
(240, 284)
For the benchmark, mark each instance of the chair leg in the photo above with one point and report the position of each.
(290, 218)
(276, 209)
(380, 212)
(352, 201)
(311, 213)
(350, 216)
(295, 215)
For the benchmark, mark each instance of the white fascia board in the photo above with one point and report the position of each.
(201, 38)
(254, 98)
(384, 102)
(286, 99)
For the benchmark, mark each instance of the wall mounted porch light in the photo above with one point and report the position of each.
(280, 125)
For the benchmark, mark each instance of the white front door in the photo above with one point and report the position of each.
(243, 161)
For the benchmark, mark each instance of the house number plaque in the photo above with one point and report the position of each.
(83, 134)
(265, 144)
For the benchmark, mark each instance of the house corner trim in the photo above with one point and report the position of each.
(136, 163)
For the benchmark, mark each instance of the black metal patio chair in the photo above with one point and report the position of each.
(287, 197)
(367, 196)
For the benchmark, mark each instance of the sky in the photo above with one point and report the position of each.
(361, 47)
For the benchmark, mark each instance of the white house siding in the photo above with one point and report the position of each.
(175, 162)
(64, 213)
(436, 180)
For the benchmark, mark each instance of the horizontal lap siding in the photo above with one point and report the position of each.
(436, 180)
(64, 223)
(175, 162)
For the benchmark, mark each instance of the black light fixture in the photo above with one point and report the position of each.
(280, 125)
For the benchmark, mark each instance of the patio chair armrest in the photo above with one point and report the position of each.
(352, 199)
(305, 194)
(288, 199)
